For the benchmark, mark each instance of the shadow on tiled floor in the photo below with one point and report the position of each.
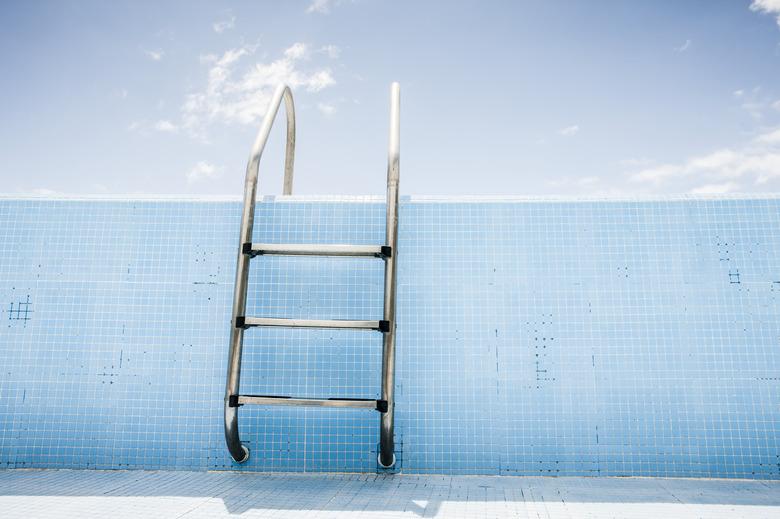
(116, 494)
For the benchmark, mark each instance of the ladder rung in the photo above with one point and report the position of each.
(363, 403)
(256, 249)
(248, 322)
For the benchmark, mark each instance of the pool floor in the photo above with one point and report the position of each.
(159, 494)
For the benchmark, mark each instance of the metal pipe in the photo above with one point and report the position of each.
(238, 451)
(358, 403)
(316, 250)
(386, 430)
(344, 324)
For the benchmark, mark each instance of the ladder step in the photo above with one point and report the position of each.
(248, 322)
(363, 403)
(256, 249)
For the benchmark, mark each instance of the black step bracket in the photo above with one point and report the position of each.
(384, 326)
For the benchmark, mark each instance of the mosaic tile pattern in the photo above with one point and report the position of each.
(535, 337)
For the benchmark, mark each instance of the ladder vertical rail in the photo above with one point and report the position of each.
(387, 426)
(238, 451)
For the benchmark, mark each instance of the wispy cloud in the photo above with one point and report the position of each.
(319, 6)
(155, 55)
(590, 185)
(240, 94)
(44, 191)
(569, 131)
(757, 103)
(166, 126)
(331, 51)
(324, 6)
(326, 108)
(203, 171)
(767, 6)
(715, 189)
(297, 51)
(635, 162)
(685, 46)
(224, 25)
(575, 181)
(747, 167)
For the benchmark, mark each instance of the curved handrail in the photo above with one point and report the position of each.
(394, 144)
(253, 165)
(237, 450)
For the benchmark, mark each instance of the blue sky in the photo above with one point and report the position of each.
(608, 98)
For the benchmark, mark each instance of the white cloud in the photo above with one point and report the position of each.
(297, 51)
(320, 80)
(749, 166)
(767, 6)
(332, 51)
(685, 46)
(155, 55)
(325, 6)
(772, 137)
(579, 182)
(715, 189)
(122, 93)
(203, 171)
(206, 59)
(319, 6)
(754, 109)
(224, 25)
(635, 162)
(166, 126)
(569, 131)
(44, 191)
(588, 186)
(757, 103)
(240, 94)
(326, 108)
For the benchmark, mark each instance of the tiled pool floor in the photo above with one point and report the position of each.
(117, 494)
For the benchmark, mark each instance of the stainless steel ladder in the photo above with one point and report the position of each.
(248, 250)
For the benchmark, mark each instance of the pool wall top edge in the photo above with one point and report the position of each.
(381, 198)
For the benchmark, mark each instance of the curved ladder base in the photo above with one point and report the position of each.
(246, 455)
(388, 466)
(238, 451)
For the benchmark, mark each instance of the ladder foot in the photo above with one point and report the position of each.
(246, 455)
(389, 465)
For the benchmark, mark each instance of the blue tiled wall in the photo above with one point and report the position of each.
(556, 338)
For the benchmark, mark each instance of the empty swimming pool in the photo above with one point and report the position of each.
(535, 337)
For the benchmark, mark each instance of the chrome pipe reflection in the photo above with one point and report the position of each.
(386, 430)
(238, 451)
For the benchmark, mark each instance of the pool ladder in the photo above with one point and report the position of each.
(248, 250)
